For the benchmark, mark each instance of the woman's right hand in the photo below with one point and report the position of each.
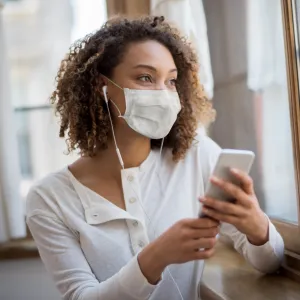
(179, 244)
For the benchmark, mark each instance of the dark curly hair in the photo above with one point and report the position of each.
(81, 108)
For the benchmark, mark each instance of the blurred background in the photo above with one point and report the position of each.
(240, 44)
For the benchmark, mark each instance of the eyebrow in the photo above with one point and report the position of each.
(152, 68)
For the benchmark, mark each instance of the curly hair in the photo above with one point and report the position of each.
(82, 111)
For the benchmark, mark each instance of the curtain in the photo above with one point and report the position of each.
(189, 17)
(12, 218)
(267, 77)
(236, 123)
(265, 45)
(129, 8)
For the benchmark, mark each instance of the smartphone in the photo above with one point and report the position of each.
(228, 158)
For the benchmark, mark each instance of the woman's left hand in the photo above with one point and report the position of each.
(245, 214)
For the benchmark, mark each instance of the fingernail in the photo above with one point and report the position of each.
(233, 170)
(202, 199)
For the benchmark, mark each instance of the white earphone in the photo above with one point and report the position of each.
(104, 89)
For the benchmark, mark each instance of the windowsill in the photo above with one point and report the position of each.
(227, 276)
(18, 249)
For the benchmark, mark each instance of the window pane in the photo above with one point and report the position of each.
(40, 150)
(38, 34)
(251, 96)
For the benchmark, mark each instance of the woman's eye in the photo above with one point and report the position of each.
(145, 78)
(173, 81)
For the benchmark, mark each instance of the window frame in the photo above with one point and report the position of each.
(290, 231)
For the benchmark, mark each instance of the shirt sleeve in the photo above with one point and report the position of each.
(61, 253)
(266, 258)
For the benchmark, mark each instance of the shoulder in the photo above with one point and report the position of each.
(205, 146)
(204, 154)
(43, 196)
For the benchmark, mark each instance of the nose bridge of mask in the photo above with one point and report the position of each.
(152, 97)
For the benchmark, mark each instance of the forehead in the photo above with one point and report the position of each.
(150, 53)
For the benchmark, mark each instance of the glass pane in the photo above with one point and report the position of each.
(40, 149)
(38, 34)
(251, 96)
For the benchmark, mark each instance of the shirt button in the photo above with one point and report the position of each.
(141, 244)
(135, 223)
(132, 200)
(130, 178)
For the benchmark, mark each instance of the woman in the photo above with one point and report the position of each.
(121, 222)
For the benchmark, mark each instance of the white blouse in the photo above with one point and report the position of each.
(90, 246)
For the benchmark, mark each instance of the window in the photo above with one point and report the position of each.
(291, 14)
(256, 96)
(38, 35)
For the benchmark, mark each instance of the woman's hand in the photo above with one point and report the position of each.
(245, 214)
(179, 244)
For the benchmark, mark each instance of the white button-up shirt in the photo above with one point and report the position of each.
(90, 246)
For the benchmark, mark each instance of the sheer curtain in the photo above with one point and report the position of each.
(267, 77)
(189, 17)
(12, 219)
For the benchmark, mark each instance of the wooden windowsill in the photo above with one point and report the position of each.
(227, 276)
(18, 249)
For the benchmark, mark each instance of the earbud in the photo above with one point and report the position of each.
(104, 89)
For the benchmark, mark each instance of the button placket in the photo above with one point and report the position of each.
(130, 177)
(132, 200)
(141, 244)
(135, 223)
(131, 189)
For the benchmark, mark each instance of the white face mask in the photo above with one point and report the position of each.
(151, 113)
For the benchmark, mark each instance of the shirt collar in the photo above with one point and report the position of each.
(149, 161)
(97, 209)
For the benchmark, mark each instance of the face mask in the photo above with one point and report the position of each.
(151, 113)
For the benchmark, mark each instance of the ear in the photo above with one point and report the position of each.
(102, 80)
(101, 83)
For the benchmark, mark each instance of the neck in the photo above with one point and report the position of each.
(134, 150)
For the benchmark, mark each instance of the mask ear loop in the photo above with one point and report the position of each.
(117, 108)
(120, 115)
(113, 82)
(112, 127)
